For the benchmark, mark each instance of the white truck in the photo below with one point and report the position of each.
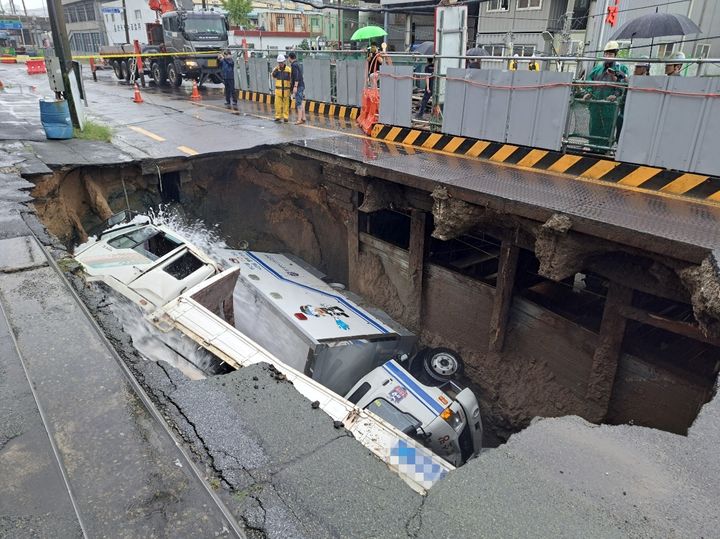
(292, 318)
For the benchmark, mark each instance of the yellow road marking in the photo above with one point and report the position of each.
(599, 169)
(189, 151)
(564, 163)
(684, 183)
(477, 148)
(454, 144)
(503, 153)
(532, 158)
(714, 196)
(146, 133)
(343, 109)
(639, 176)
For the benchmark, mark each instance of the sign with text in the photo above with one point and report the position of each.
(10, 25)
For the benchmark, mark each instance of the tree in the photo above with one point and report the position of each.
(304, 45)
(238, 11)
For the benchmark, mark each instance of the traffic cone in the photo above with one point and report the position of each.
(137, 98)
(195, 95)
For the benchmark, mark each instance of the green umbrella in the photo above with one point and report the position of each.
(368, 32)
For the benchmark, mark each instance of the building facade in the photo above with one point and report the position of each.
(85, 25)
(532, 27)
(705, 13)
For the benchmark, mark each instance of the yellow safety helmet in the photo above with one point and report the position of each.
(611, 46)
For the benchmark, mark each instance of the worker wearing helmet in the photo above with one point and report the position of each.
(282, 75)
(673, 70)
(642, 68)
(606, 109)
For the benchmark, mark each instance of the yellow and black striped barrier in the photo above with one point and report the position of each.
(316, 107)
(685, 184)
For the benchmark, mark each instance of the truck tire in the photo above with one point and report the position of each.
(442, 364)
(125, 70)
(117, 69)
(158, 74)
(174, 76)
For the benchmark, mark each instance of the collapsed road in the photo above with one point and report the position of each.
(286, 471)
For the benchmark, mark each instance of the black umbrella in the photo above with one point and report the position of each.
(426, 48)
(657, 25)
(477, 51)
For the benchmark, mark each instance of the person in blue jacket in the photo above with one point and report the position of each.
(227, 68)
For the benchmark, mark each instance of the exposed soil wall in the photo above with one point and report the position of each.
(274, 203)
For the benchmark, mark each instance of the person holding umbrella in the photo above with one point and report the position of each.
(673, 70)
(603, 114)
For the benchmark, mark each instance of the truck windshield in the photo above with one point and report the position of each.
(400, 420)
(205, 25)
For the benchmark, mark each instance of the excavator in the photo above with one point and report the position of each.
(177, 33)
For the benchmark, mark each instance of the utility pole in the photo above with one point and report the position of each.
(567, 28)
(340, 30)
(62, 51)
(125, 22)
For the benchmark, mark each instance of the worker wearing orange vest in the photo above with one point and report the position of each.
(282, 75)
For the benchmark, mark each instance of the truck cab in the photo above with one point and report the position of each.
(194, 31)
(445, 419)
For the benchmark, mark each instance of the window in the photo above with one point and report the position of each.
(147, 241)
(498, 5)
(184, 266)
(297, 24)
(315, 24)
(359, 393)
(702, 50)
(281, 24)
(138, 15)
(112, 17)
(529, 4)
(524, 50)
(495, 50)
(400, 420)
(666, 49)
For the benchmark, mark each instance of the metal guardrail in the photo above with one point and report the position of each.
(594, 120)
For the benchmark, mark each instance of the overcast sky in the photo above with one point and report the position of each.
(29, 4)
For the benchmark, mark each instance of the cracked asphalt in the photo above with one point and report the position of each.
(280, 466)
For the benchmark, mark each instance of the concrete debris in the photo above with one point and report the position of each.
(703, 281)
(381, 195)
(453, 217)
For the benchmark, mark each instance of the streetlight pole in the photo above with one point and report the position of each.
(62, 51)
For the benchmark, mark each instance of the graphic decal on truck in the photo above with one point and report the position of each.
(333, 311)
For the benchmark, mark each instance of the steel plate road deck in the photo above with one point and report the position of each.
(618, 213)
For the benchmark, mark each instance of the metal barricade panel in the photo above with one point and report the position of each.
(707, 158)
(487, 105)
(350, 76)
(341, 78)
(454, 109)
(259, 68)
(671, 130)
(681, 120)
(241, 74)
(396, 95)
(537, 113)
(316, 72)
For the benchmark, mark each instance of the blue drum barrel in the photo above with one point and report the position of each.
(55, 118)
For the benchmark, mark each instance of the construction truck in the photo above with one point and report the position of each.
(168, 56)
